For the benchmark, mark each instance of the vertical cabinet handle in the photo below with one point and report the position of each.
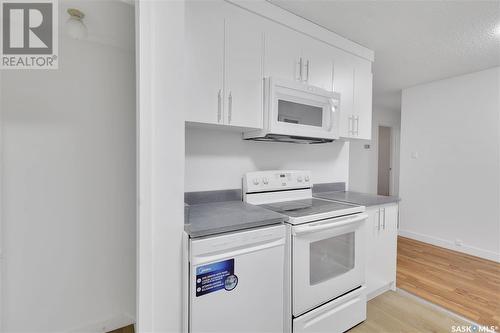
(219, 106)
(383, 225)
(333, 76)
(307, 71)
(357, 128)
(230, 108)
(300, 69)
(378, 217)
(350, 125)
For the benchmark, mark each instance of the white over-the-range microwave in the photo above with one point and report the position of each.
(298, 113)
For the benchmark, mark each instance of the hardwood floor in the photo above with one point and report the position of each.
(392, 312)
(127, 329)
(463, 284)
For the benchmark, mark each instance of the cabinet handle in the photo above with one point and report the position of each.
(397, 223)
(307, 71)
(350, 125)
(230, 108)
(219, 106)
(300, 69)
(378, 216)
(384, 219)
(357, 125)
(333, 76)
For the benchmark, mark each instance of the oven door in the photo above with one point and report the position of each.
(297, 109)
(328, 260)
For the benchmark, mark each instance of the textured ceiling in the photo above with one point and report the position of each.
(414, 41)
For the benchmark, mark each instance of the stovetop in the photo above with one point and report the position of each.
(312, 209)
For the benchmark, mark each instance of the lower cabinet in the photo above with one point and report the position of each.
(382, 231)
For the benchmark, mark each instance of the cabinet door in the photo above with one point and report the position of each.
(204, 28)
(388, 243)
(343, 83)
(318, 64)
(363, 100)
(283, 53)
(244, 68)
(373, 276)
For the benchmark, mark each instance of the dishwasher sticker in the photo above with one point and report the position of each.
(215, 276)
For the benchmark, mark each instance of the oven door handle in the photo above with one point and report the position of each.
(314, 227)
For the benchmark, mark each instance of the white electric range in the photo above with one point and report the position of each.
(325, 251)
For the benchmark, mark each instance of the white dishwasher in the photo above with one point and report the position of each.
(236, 281)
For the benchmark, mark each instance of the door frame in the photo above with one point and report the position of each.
(394, 140)
(2, 299)
(160, 142)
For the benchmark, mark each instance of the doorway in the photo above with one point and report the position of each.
(384, 160)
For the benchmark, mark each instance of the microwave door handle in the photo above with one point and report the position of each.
(312, 227)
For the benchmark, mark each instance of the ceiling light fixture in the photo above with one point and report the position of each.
(75, 27)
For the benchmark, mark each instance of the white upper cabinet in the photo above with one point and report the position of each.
(244, 69)
(283, 53)
(363, 79)
(343, 83)
(293, 56)
(204, 61)
(224, 64)
(318, 61)
(230, 50)
(353, 79)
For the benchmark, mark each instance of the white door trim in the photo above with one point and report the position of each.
(394, 144)
(160, 135)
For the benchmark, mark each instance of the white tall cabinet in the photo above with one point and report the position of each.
(230, 50)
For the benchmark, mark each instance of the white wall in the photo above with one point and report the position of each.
(363, 167)
(68, 184)
(218, 159)
(451, 190)
(161, 165)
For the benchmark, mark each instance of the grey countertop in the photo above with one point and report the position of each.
(212, 218)
(358, 198)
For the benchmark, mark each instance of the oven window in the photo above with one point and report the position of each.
(331, 257)
(296, 113)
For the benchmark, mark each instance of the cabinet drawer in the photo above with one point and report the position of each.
(335, 317)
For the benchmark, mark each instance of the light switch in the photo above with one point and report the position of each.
(414, 155)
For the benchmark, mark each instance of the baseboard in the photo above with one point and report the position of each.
(377, 292)
(110, 324)
(473, 251)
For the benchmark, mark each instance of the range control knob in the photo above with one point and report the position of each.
(307, 178)
(299, 179)
(265, 180)
(256, 181)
